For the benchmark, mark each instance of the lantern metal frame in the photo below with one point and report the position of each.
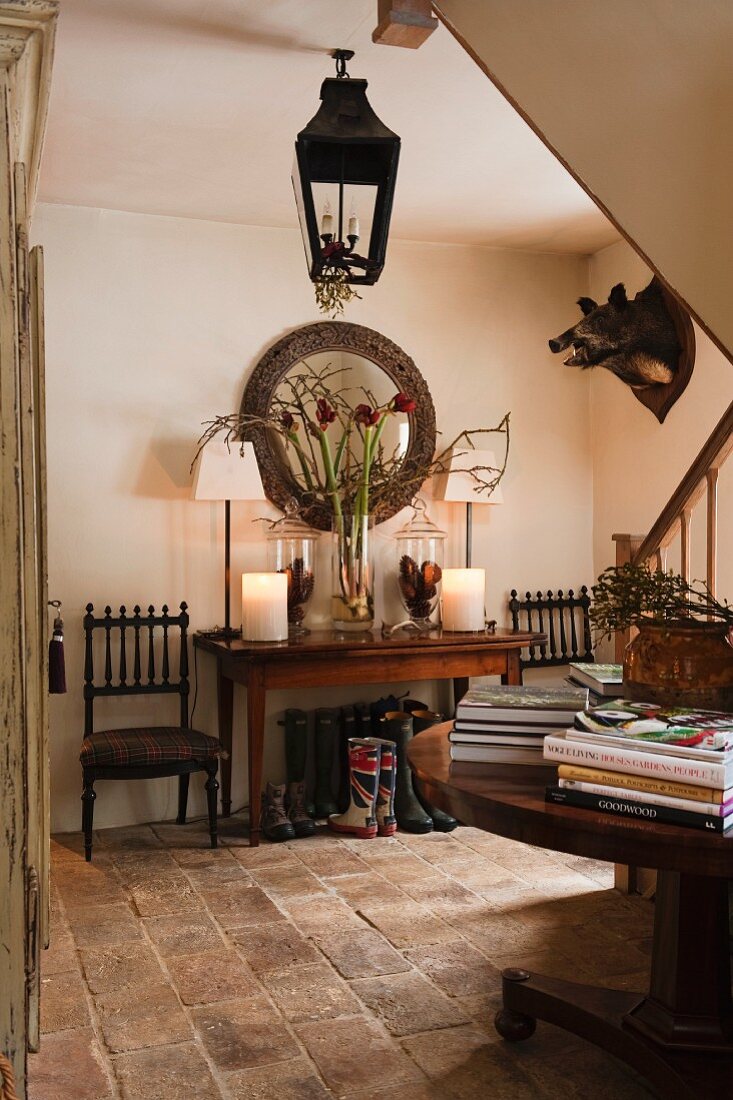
(345, 144)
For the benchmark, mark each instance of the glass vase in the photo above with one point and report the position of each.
(291, 548)
(352, 592)
(420, 565)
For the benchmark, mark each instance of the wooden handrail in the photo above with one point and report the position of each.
(690, 489)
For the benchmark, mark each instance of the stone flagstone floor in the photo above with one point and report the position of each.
(321, 968)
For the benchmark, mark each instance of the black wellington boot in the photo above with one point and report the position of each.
(296, 750)
(327, 729)
(362, 720)
(412, 705)
(378, 709)
(442, 822)
(397, 727)
(347, 730)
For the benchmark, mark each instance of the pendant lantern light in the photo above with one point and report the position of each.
(344, 180)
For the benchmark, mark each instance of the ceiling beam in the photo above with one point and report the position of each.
(404, 23)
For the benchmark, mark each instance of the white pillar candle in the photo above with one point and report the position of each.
(264, 607)
(353, 225)
(463, 599)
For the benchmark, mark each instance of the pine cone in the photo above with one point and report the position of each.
(419, 586)
(300, 589)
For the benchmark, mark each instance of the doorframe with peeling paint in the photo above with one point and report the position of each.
(27, 32)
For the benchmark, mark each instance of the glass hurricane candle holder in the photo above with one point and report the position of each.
(420, 564)
(291, 546)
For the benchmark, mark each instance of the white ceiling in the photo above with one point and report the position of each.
(191, 107)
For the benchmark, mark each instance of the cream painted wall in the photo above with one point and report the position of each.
(154, 323)
(635, 98)
(637, 462)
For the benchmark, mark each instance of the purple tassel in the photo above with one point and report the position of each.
(56, 661)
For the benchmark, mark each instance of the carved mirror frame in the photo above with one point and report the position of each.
(278, 480)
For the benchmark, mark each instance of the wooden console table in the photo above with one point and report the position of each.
(679, 1035)
(327, 659)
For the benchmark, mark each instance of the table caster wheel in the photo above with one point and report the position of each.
(514, 1026)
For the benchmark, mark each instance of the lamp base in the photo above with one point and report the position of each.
(222, 633)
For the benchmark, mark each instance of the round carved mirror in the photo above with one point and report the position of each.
(362, 366)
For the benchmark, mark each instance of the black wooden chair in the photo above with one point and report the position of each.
(565, 620)
(147, 752)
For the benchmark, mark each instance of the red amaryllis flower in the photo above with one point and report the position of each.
(401, 403)
(366, 415)
(288, 422)
(325, 415)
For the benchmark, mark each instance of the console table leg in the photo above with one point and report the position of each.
(225, 701)
(255, 746)
(460, 687)
(513, 674)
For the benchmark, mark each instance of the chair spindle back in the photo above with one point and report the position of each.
(553, 615)
(143, 629)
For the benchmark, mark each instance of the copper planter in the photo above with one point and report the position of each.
(681, 664)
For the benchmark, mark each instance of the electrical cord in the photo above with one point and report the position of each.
(196, 685)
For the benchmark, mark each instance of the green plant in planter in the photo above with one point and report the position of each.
(634, 595)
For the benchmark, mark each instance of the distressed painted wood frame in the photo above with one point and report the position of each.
(27, 29)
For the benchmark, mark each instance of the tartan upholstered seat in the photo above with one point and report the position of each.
(147, 745)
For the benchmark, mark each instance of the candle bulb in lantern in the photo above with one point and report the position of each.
(264, 607)
(327, 221)
(463, 599)
(353, 224)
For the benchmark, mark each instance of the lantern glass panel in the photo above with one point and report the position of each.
(359, 199)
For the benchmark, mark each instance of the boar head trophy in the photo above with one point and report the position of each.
(648, 342)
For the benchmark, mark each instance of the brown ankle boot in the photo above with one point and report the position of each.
(274, 822)
(299, 818)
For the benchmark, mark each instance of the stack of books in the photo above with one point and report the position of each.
(654, 763)
(603, 681)
(508, 725)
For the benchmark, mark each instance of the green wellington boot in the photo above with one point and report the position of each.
(442, 822)
(384, 812)
(327, 728)
(296, 750)
(360, 818)
(397, 727)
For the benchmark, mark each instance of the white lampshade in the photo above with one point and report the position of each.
(458, 485)
(227, 472)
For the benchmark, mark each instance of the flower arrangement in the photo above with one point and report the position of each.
(634, 595)
(334, 441)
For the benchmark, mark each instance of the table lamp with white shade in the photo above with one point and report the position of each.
(227, 471)
(456, 483)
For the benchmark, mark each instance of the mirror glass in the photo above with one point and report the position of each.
(349, 365)
(348, 375)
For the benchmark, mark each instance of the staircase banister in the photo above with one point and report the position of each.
(713, 453)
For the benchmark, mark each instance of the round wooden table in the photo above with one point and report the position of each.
(680, 1034)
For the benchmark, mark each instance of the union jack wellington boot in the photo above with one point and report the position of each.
(386, 820)
(360, 819)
